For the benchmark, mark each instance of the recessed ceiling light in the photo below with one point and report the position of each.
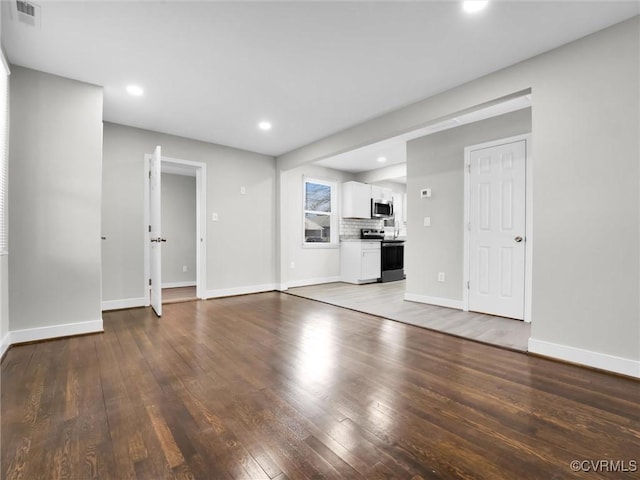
(134, 90)
(382, 159)
(473, 6)
(264, 126)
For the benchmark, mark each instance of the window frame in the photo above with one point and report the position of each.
(333, 214)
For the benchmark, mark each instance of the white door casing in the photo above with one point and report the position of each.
(497, 229)
(155, 230)
(184, 167)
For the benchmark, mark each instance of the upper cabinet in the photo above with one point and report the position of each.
(356, 200)
(381, 193)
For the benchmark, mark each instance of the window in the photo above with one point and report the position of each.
(320, 219)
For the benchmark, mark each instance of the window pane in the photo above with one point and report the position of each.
(317, 197)
(317, 228)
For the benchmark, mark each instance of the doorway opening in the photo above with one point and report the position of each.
(175, 234)
(435, 249)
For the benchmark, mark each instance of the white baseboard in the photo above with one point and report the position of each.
(437, 301)
(5, 344)
(589, 358)
(282, 287)
(55, 331)
(179, 284)
(124, 303)
(228, 292)
(312, 281)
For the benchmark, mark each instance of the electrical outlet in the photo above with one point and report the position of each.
(292, 265)
(427, 221)
(214, 217)
(243, 191)
(184, 268)
(441, 276)
(425, 193)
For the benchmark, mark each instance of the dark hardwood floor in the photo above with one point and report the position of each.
(274, 386)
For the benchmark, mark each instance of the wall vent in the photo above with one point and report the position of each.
(26, 8)
(28, 12)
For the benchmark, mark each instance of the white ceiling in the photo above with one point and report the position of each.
(212, 70)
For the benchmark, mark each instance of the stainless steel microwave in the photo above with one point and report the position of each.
(381, 208)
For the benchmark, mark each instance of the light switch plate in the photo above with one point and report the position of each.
(425, 193)
(214, 217)
(427, 221)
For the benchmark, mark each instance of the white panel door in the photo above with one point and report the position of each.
(497, 230)
(155, 231)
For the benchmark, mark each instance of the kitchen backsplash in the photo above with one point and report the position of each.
(350, 227)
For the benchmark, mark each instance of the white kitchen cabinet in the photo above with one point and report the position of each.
(381, 193)
(356, 200)
(360, 261)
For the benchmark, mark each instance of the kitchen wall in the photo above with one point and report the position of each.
(384, 174)
(436, 161)
(311, 265)
(179, 228)
(240, 245)
(586, 193)
(55, 165)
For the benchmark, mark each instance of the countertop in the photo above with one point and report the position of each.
(358, 239)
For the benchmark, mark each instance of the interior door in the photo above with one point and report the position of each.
(155, 231)
(497, 230)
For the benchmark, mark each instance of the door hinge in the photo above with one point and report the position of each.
(149, 282)
(468, 226)
(468, 285)
(149, 228)
(469, 167)
(149, 173)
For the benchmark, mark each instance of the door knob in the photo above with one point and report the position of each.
(158, 239)
(518, 239)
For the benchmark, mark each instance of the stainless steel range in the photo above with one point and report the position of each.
(392, 255)
(392, 264)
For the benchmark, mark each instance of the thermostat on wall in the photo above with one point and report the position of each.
(425, 193)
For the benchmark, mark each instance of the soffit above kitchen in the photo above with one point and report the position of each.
(393, 151)
(212, 70)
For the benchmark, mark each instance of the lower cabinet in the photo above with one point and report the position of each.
(360, 261)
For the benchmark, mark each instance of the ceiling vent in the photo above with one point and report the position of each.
(28, 12)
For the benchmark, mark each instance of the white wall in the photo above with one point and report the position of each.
(55, 167)
(383, 174)
(437, 162)
(586, 206)
(4, 259)
(179, 228)
(312, 265)
(240, 246)
(4, 304)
